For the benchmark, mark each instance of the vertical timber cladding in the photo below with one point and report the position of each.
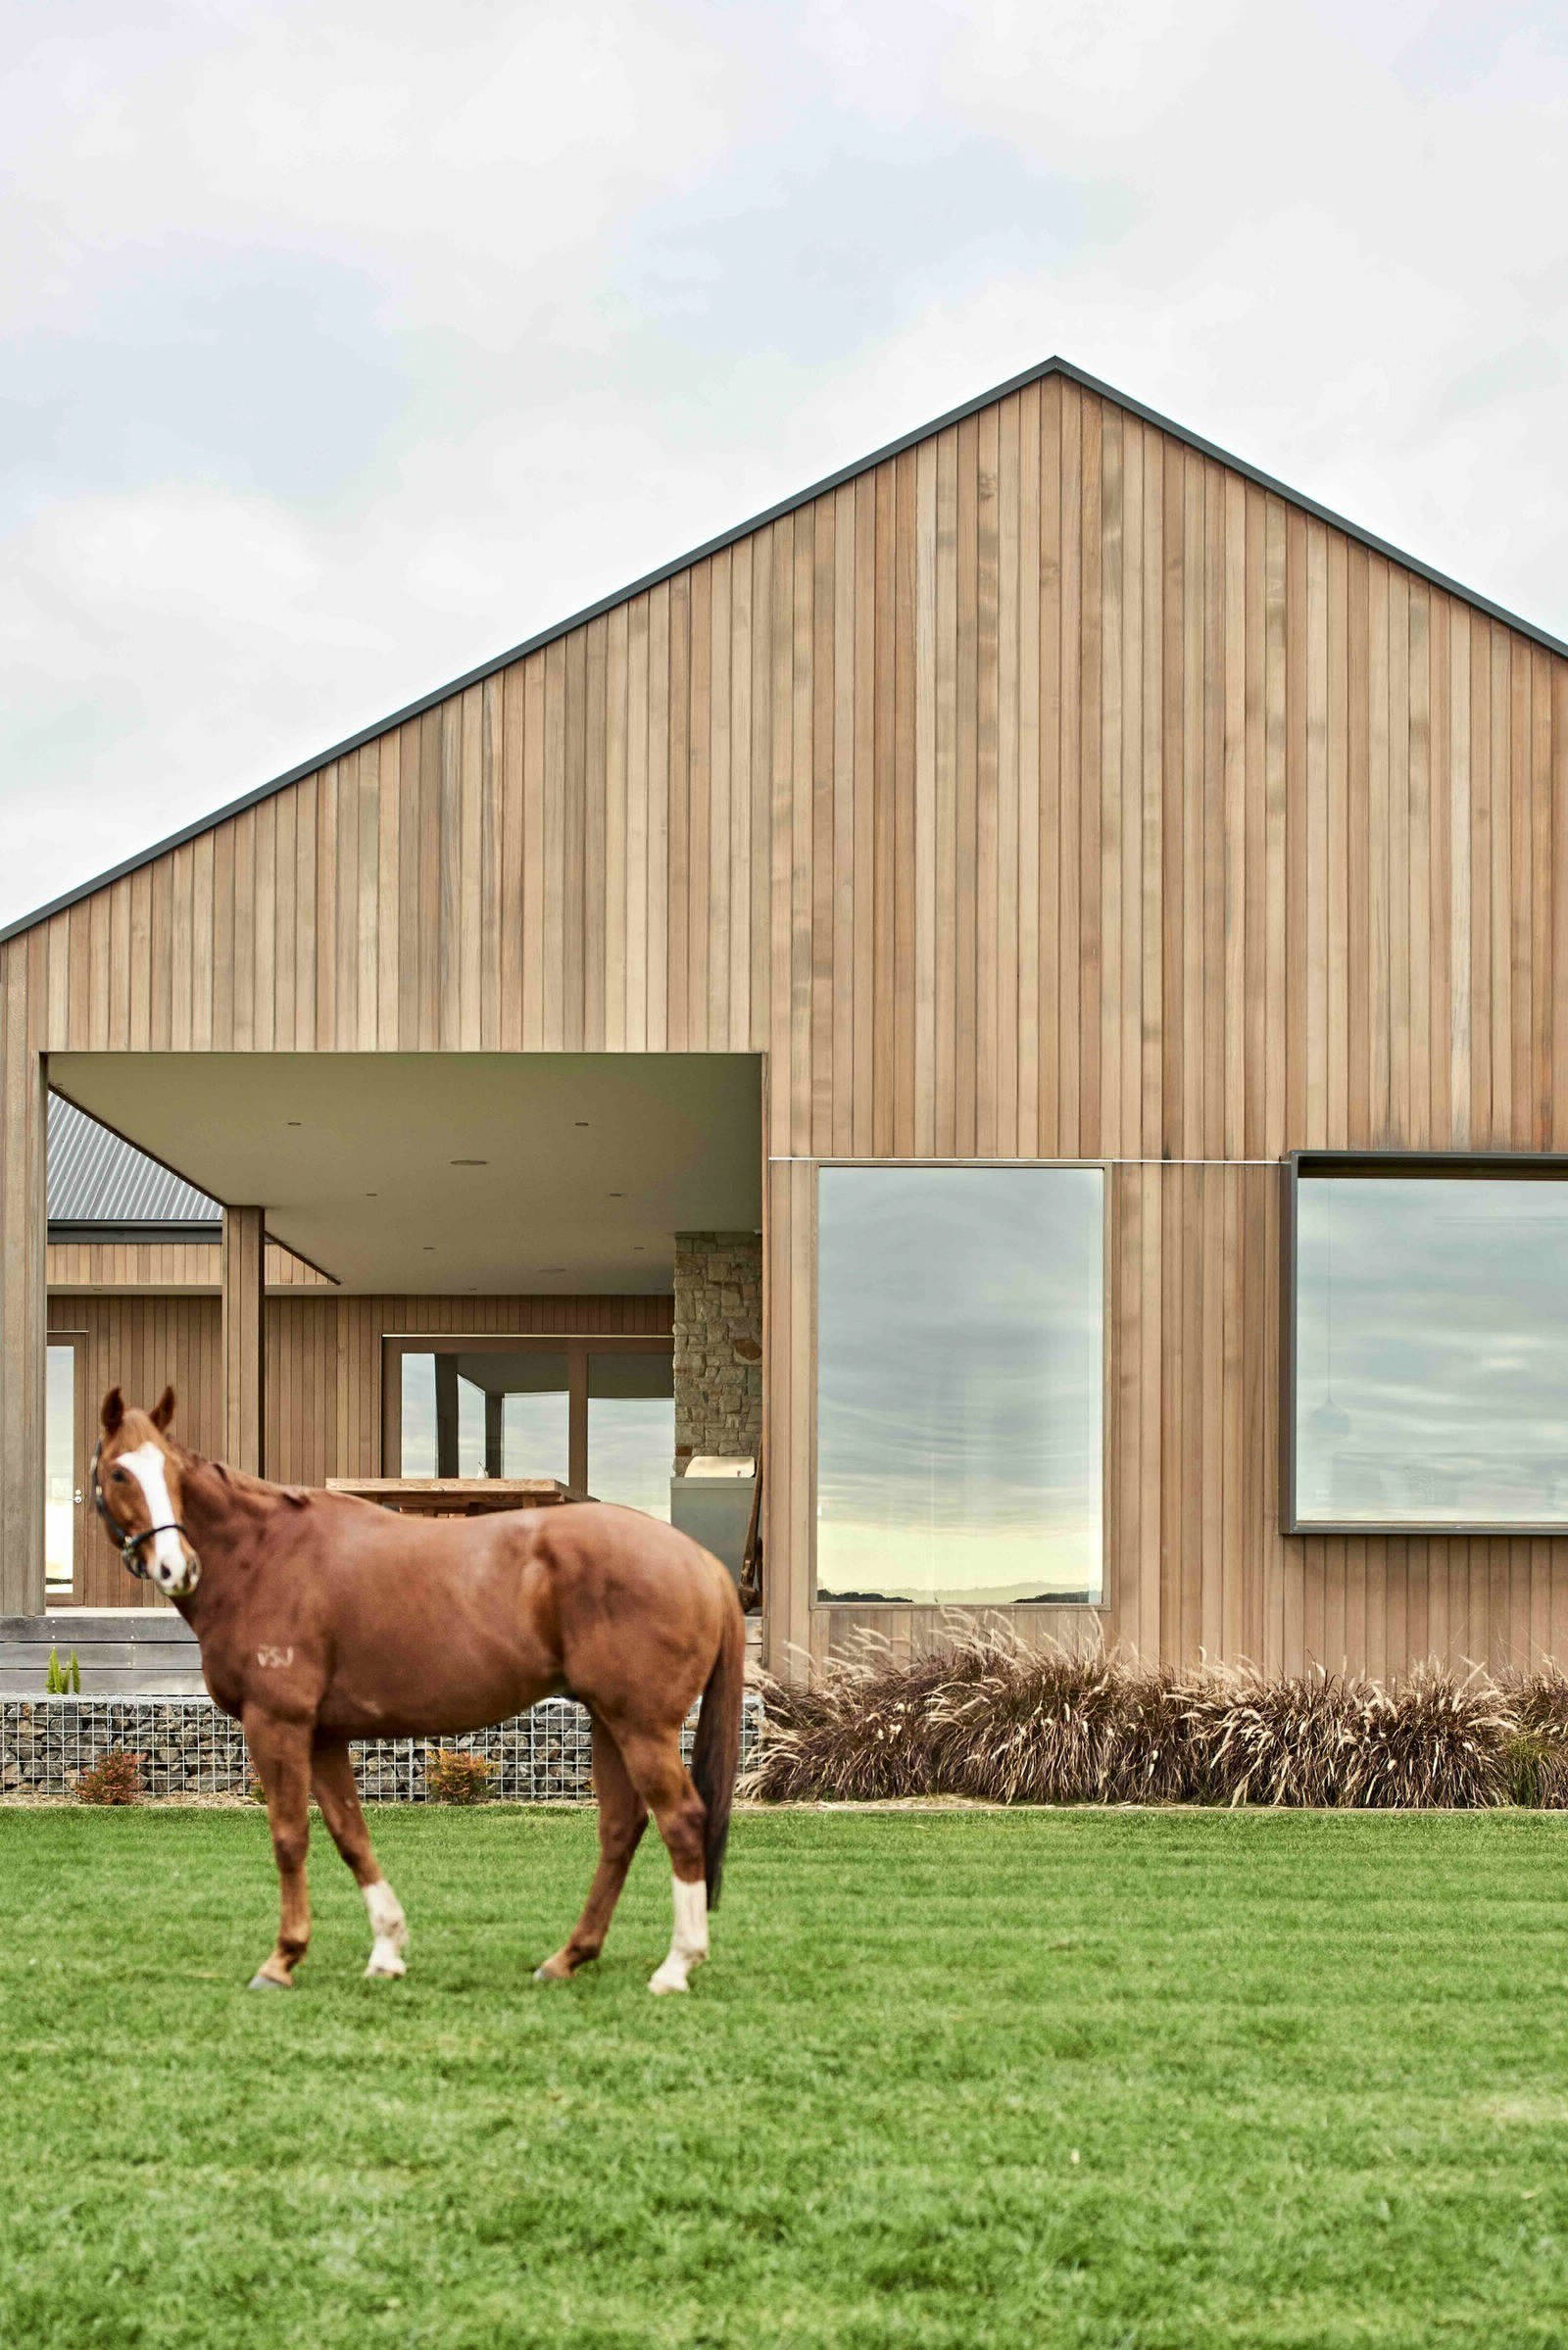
(1049, 788)
(244, 1326)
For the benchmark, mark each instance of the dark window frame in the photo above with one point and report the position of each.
(1436, 1166)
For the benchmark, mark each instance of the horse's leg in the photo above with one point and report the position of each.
(662, 1781)
(281, 1752)
(332, 1777)
(623, 1817)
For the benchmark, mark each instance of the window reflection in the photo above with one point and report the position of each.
(59, 1469)
(485, 1414)
(631, 1430)
(960, 1384)
(1431, 1349)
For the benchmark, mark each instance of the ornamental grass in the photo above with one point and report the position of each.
(987, 1718)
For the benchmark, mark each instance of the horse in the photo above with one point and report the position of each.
(324, 1618)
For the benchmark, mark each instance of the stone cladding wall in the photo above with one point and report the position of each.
(718, 1343)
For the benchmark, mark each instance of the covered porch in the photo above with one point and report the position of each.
(424, 1266)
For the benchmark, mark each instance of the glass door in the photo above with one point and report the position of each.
(62, 1506)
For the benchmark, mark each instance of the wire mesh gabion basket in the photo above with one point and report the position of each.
(187, 1747)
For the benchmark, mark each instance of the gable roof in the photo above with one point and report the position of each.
(1054, 366)
(95, 1177)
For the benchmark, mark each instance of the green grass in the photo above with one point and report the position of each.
(957, 2078)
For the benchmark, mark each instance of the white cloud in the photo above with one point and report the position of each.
(345, 345)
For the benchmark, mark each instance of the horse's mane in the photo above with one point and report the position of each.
(249, 1488)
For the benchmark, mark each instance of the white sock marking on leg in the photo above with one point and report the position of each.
(388, 1926)
(689, 1947)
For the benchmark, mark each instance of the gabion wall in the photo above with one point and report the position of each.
(185, 1747)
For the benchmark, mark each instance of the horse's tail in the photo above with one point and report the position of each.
(716, 1752)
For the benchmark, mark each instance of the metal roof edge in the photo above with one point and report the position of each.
(1054, 366)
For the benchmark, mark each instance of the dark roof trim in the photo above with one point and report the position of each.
(113, 1229)
(741, 530)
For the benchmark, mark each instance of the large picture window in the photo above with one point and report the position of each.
(959, 1390)
(1430, 1345)
(597, 1413)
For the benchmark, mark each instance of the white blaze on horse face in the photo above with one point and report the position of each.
(388, 1926)
(690, 1945)
(171, 1560)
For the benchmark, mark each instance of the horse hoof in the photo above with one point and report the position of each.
(661, 1985)
(261, 1982)
(385, 1969)
(547, 1973)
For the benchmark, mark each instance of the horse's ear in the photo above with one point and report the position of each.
(164, 1410)
(113, 1411)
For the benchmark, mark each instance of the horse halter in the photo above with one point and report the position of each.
(129, 1544)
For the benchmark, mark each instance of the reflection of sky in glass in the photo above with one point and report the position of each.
(959, 1354)
(60, 1466)
(533, 1414)
(1432, 1350)
(418, 1415)
(631, 1430)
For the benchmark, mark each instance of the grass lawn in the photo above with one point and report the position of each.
(958, 2079)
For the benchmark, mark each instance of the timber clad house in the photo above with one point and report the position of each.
(1023, 992)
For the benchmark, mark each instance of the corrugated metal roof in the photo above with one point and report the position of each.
(95, 1178)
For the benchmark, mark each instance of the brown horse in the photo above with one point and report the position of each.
(323, 1619)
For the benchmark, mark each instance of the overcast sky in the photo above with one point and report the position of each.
(345, 345)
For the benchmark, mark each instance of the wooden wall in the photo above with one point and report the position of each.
(323, 1376)
(191, 1266)
(1049, 789)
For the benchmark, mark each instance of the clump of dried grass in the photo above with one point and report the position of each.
(1432, 1741)
(1537, 1755)
(988, 1718)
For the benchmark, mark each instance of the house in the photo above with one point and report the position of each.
(1022, 985)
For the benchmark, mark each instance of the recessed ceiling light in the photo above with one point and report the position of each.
(468, 1162)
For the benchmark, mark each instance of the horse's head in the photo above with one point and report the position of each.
(136, 1491)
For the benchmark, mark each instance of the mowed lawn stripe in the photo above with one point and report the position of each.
(1128, 2078)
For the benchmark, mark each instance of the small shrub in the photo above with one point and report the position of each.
(115, 1779)
(63, 1680)
(1527, 1760)
(452, 1775)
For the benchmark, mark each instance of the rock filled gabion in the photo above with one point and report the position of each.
(186, 1747)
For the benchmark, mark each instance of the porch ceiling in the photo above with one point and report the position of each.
(590, 1163)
